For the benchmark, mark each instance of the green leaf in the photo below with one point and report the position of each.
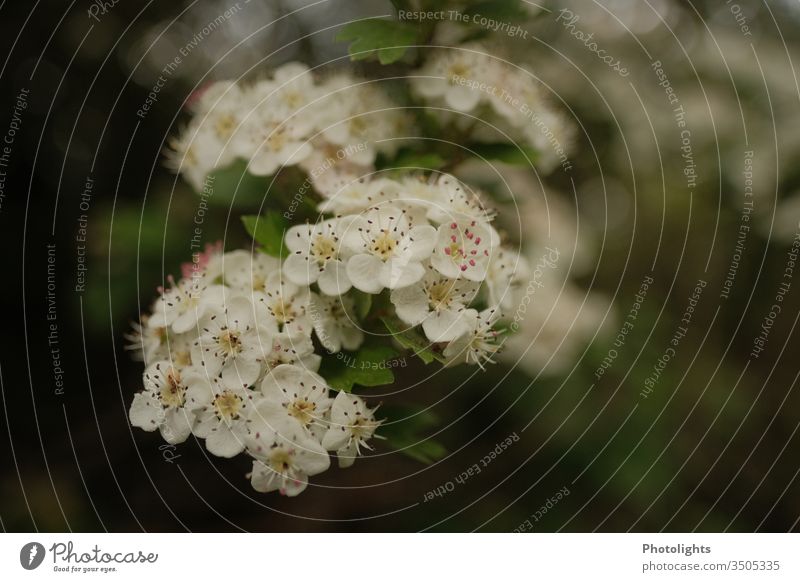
(267, 231)
(405, 431)
(362, 302)
(412, 340)
(505, 152)
(409, 159)
(388, 38)
(367, 367)
(501, 10)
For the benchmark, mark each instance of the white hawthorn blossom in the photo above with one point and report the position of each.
(463, 249)
(232, 344)
(234, 348)
(317, 256)
(167, 403)
(180, 307)
(388, 249)
(285, 462)
(436, 302)
(334, 321)
(297, 393)
(352, 424)
(223, 420)
(480, 343)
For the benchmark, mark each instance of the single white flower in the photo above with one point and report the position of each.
(479, 344)
(317, 255)
(180, 307)
(332, 318)
(232, 344)
(352, 424)
(345, 193)
(293, 347)
(248, 273)
(223, 421)
(284, 304)
(437, 303)
(297, 393)
(388, 249)
(463, 250)
(284, 462)
(166, 403)
(271, 145)
(451, 74)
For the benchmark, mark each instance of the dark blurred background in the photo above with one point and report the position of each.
(714, 447)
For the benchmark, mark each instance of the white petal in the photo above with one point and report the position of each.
(335, 438)
(444, 326)
(145, 412)
(462, 98)
(397, 273)
(334, 280)
(410, 303)
(240, 372)
(296, 486)
(364, 272)
(263, 478)
(347, 455)
(225, 442)
(177, 426)
(424, 239)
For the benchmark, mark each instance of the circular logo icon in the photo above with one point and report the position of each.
(31, 555)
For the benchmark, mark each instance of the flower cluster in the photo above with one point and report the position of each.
(492, 100)
(231, 348)
(291, 118)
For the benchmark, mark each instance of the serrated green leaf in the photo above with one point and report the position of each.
(405, 430)
(505, 152)
(389, 39)
(410, 339)
(367, 367)
(267, 230)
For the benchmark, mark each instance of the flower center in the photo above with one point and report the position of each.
(362, 428)
(282, 311)
(230, 342)
(303, 410)
(277, 140)
(280, 460)
(323, 248)
(228, 405)
(383, 245)
(440, 294)
(172, 392)
(225, 126)
(456, 71)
